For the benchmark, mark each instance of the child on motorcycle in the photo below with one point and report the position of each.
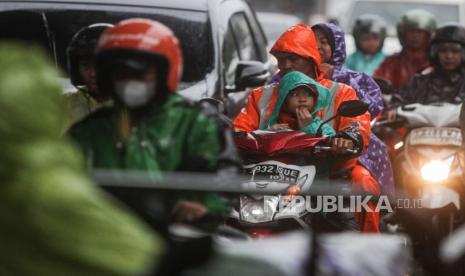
(299, 99)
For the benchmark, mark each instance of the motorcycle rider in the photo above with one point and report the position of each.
(81, 67)
(297, 49)
(331, 43)
(139, 64)
(446, 81)
(369, 32)
(414, 30)
(54, 220)
(331, 46)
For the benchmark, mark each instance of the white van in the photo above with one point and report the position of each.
(346, 11)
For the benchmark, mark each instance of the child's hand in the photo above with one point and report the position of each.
(279, 126)
(304, 117)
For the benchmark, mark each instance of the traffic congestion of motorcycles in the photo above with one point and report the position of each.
(227, 137)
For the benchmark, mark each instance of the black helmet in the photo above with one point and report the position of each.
(415, 19)
(369, 23)
(452, 33)
(449, 33)
(83, 44)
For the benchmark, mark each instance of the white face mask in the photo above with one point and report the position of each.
(134, 93)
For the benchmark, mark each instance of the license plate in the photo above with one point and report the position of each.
(275, 176)
(272, 172)
(436, 136)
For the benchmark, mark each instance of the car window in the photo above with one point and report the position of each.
(239, 44)
(53, 26)
(259, 38)
(275, 24)
(230, 57)
(243, 36)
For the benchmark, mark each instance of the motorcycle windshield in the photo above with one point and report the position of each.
(433, 115)
(274, 143)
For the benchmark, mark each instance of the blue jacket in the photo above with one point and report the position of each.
(360, 62)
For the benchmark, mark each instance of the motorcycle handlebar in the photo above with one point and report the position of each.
(396, 123)
(328, 148)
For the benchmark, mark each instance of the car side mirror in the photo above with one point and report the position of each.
(352, 108)
(250, 73)
(217, 104)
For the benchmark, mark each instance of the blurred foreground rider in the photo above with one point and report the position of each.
(54, 221)
(446, 81)
(414, 30)
(151, 128)
(369, 32)
(81, 67)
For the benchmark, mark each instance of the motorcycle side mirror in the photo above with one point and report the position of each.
(352, 108)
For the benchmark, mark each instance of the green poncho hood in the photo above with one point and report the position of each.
(288, 83)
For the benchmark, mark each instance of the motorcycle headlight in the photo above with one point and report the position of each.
(399, 145)
(435, 171)
(259, 211)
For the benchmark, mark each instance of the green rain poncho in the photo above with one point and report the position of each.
(172, 136)
(54, 221)
(288, 83)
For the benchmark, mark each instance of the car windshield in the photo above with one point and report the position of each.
(273, 30)
(275, 24)
(53, 27)
(391, 11)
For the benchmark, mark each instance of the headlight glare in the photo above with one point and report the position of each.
(258, 211)
(435, 171)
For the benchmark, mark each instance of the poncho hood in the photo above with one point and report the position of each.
(289, 82)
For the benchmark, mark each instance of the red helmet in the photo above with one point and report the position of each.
(147, 37)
